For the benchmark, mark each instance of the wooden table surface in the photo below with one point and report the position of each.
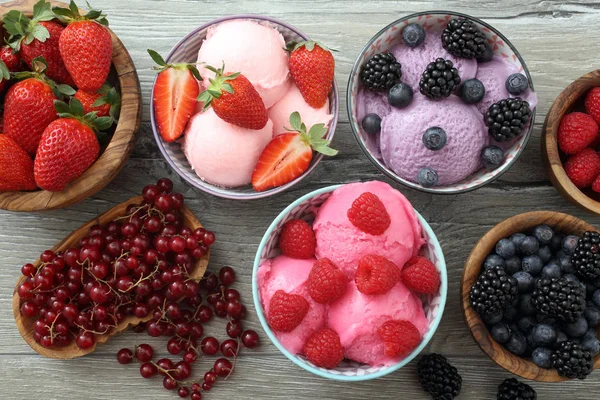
(558, 40)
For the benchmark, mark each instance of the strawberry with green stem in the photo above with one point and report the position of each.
(288, 156)
(175, 93)
(312, 67)
(234, 100)
(106, 101)
(10, 61)
(16, 167)
(69, 146)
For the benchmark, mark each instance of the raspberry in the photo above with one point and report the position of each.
(592, 104)
(297, 239)
(368, 214)
(323, 348)
(421, 276)
(583, 168)
(576, 132)
(596, 184)
(326, 283)
(399, 338)
(376, 274)
(286, 311)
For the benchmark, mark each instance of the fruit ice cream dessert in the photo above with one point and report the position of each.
(439, 105)
(263, 107)
(349, 281)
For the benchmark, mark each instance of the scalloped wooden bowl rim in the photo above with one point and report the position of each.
(550, 152)
(518, 223)
(25, 325)
(114, 157)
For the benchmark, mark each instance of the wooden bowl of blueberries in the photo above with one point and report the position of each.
(531, 296)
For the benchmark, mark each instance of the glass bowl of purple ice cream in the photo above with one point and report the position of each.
(451, 138)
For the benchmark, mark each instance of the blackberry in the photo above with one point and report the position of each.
(462, 38)
(493, 292)
(559, 297)
(572, 361)
(512, 389)
(439, 79)
(586, 258)
(507, 118)
(438, 378)
(381, 72)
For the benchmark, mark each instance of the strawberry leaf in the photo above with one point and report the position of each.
(38, 32)
(61, 12)
(39, 65)
(65, 89)
(228, 88)
(325, 149)
(103, 123)
(42, 11)
(157, 58)
(62, 108)
(194, 70)
(100, 101)
(205, 98)
(4, 72)
(296, 121)
(317, 132)
(15, 22)
(76, 107)
(74, 9)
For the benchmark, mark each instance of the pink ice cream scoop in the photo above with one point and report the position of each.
(257, 50)
(290, 275)
(221, 153)
(402, 144)
(344, 244)
(356, 318)
(294, 102)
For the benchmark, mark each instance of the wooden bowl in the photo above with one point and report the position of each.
(520, 223)
(25, 325)
(570, 99)
(114, 156)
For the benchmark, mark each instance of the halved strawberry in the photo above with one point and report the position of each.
(175, 93)
(288, 156)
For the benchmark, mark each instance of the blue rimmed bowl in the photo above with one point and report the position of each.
(348, 370)
(391, 35)
(186, 50)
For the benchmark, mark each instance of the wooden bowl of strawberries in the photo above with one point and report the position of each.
(71, 104)
(571, 142)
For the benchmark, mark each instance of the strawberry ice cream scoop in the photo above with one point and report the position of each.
(257, 50)
(357, 316)
(221, 153)
(343, 243)
(290, 275)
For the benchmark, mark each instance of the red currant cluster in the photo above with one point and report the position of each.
(183, 323)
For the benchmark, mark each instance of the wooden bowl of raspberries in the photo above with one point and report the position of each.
(571, 142)
(531, 296)
(70, 101)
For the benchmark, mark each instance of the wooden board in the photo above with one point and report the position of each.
(559, 41)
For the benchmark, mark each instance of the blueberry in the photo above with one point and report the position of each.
(525, 281)
(560, 338)
(590, 334)
(435, 138)
(517, 238)
(511, 313)
(545, 253)
(501, 333)
(531, 343)
(589, 287)
(513, 265)
(551, 271)
(543, 233)
(413, 35)
(526, 323)
(492, 157)
(556, 242)
(494, 260)
(525, 306)
(487, 55)
(569, 244)
(529, 246)
(371, 123)
(596, 297)
(516, 84)
(427, 177)
(591, 344)
(505, 248)
(532, 264)
(542, 357)
(592, 315)
(472, 91)
(576, 329)
(517, 344)
(492, 319)
(400, 95)
(565, 262)
(544, 334)
(572, 278)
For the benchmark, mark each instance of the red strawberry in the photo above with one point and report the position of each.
(286, 311)
(576, 132)
(10, 61)
(592, 104)
(596, 185)
(175, 93)
(421, 276)
(323, 348)
(376, 274)
(297, 239)
(399, 338)
(326, 283)
(105, 101)
(235, 100)
(368, 214)
(85, 46)
(583, 168)
(68, 146)
(16, 167)
(313, 69)
(288, 156)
